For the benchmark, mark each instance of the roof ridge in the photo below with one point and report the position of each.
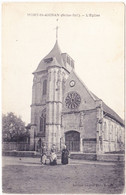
(110, 111)
(106, 108)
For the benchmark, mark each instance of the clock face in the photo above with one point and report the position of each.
(72, 100)
(72, 83)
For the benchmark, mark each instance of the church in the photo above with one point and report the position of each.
(65, 111)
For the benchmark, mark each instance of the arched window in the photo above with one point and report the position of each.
(44, 87)
(43, 122)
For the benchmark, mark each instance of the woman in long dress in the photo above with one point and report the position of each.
(65, 155)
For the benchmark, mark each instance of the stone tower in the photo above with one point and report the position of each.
(47, 96)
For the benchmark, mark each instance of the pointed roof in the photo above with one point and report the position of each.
(54, 53)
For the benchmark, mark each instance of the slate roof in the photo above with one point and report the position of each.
(55, 58)
(111, 113)
(56, 52)
(108, 111)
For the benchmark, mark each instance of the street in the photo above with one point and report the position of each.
(27, 175)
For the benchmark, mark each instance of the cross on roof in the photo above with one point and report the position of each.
(57, 31)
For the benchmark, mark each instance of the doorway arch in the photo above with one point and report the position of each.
(72, 140)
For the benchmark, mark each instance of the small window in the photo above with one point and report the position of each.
(44, 87)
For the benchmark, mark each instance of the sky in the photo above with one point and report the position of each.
(91, 33)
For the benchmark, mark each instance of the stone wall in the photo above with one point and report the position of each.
(83, 156)
(87, 101)
(51, 101)
(89, 145)
(111, 157)
(84, 122)
(112, 135)
(90, 124)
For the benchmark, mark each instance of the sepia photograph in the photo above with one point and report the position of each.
(63, 129)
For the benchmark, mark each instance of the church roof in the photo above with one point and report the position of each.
(56, 52)
(112, 113)
(109, 111)
(53, 58)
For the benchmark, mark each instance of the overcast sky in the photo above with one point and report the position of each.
(95, 43)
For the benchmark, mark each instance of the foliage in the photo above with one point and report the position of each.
(13, 128)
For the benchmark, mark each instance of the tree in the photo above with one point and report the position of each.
(13, 128)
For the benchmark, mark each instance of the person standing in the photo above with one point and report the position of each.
(65, 155)
(43, 154)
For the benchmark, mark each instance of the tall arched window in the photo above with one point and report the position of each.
(43, 122)
(44, 87)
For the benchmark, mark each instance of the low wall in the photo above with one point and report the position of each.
(33, 154)
(83, 156)
(111, 157)
(79, 156)
(21, 153)
(9, 146)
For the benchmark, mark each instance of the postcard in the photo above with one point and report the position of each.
(63, 98)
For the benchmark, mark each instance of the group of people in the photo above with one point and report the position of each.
(53, 156)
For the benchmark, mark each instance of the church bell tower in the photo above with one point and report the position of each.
(47, 95)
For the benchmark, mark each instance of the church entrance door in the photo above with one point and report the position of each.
(72, 140)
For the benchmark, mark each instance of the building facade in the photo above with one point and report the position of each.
(64, 111)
